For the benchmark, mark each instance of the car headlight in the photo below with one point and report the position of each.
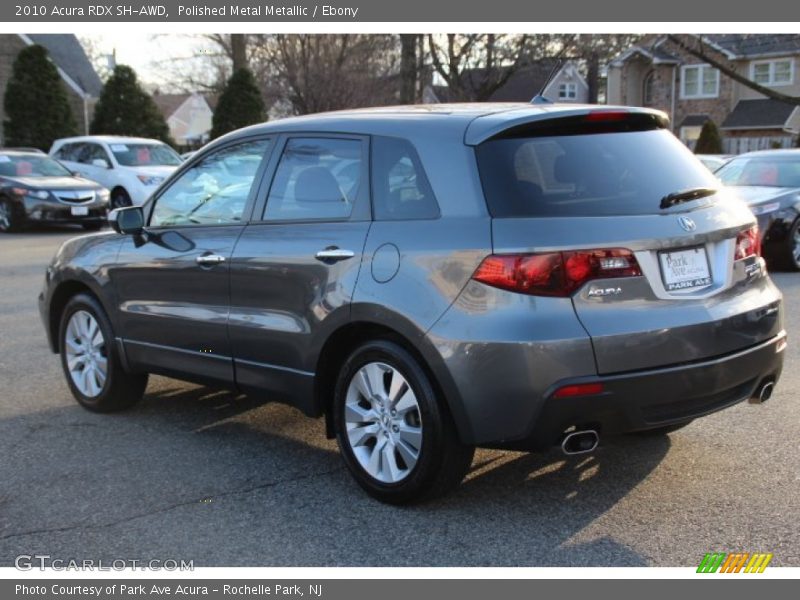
(38, 194)
(766, 208)
(149, 180)
(102, 195)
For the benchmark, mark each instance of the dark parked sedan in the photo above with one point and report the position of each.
(769, 181)
(431, 279)
(36, 188)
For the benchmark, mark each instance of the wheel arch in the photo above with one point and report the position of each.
(61, 295)
(344, 340)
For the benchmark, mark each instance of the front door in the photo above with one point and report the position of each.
(173, 282)
(293, 273)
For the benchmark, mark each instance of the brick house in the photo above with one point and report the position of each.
(659, 74)
(81, 81)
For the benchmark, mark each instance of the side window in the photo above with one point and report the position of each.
(316, 178)
(91, 152)
(69, 152)
(400, 189)
(214, 191)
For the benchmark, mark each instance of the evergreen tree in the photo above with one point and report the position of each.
(124, 108)
(36, 103)
(240, 104)
(709, 141)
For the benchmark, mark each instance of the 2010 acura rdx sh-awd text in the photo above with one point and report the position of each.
(432, 279)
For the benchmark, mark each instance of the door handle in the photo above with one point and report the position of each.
(334, 254)
(209, 259)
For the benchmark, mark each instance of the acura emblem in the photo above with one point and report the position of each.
(687, 223)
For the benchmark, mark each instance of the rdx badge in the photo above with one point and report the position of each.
(609, 291)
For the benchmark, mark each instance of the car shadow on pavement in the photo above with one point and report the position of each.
(226, 480)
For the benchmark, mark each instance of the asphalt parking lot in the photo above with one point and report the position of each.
(197, 474)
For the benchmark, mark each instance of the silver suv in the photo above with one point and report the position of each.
(431, 279)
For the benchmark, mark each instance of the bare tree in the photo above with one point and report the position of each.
(475, 66)
(99, 60)
(239, 51)
(408, 68)
(329, 72)
(697, 48)
(593, 50)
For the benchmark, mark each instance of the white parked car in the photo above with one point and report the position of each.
(131, 168)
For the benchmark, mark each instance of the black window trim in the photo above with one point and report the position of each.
(247, 214)
(362, 206)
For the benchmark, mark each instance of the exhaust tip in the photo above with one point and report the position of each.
(580, 442)
(763, 393)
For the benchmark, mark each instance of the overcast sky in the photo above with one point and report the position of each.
(150, 55)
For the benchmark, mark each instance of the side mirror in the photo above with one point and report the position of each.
(101, 162)
(128, 220)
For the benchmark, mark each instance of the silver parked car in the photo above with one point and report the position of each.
(431, 279)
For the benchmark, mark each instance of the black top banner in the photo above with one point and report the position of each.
(443, 11)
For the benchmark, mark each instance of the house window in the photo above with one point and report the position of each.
(648, 91)
(690, 134)
(773, 72)
(567, 91)
(699, 81)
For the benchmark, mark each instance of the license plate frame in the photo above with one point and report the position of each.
(685, 269)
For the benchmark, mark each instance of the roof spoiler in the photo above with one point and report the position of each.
(491, 125)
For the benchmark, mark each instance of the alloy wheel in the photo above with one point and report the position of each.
(383, 422)
(86, 355)
(5, 215)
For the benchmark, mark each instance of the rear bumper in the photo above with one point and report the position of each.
(655, 398)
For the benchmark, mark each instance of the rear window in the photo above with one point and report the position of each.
(595, 174)
(770, 170)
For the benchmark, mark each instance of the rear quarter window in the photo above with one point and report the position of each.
(400, 188)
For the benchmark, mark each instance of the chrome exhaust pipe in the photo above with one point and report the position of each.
(580, 442)
(763, 393)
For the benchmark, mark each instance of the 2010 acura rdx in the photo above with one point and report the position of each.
(432, 279)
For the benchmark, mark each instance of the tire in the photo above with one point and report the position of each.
(92, 226)
(120, 199)
(421, 456)
(663, 430)
(81, 322)
(791, 250)
(11, 219)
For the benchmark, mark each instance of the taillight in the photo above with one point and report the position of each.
(555, 273)
(596, 116)
(748, 243)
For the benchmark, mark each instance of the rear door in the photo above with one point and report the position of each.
(294, 271)
(592, 190)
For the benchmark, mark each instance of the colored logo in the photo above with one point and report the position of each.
(738, 562)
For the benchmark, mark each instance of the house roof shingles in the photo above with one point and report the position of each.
(523, 84)
(761, 113)
(67, 53)
(694, 120)
(747, 45)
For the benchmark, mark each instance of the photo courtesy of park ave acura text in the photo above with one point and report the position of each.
(362, 298)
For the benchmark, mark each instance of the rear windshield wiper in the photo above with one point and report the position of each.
(686, 196)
